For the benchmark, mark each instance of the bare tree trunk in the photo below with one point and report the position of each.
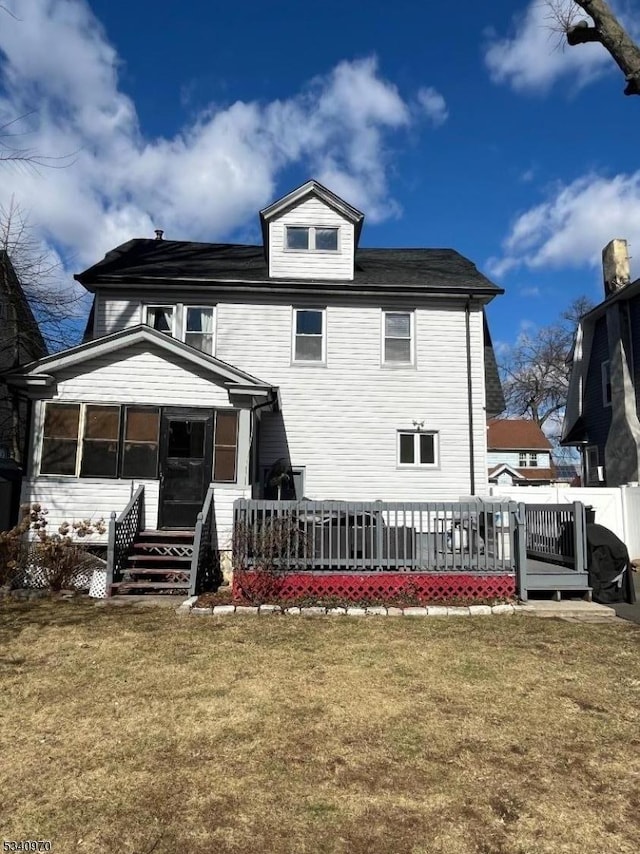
(612, 36)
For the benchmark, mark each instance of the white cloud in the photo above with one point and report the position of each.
(433, 104)
(536, 55)
(209, 179)
(571, 228)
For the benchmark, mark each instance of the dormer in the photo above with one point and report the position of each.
(311, 234)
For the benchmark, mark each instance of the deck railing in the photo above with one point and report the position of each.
(466, 536)
(122, 533)
(204, 554)
(556, 533)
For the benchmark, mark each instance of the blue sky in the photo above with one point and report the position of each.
(474, 130)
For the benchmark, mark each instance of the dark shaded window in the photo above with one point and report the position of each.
(186, 439)
(60, 438)
(225, 447)
(140, 448)
(309, 334)
(160, 317)
(100, 441)
(417, 448)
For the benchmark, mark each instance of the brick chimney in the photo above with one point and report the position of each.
(615, 266)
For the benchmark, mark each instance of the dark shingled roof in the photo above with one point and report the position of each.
(494, 396)
(437, 270)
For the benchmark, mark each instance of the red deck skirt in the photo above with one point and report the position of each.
(371, 587)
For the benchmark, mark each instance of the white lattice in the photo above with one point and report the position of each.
(98, 587)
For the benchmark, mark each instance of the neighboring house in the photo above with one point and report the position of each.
(519, 454)
(20, 341)
(601, 416)
(304, 366)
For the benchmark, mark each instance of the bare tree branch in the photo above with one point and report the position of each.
(535, 371)
(605, 28)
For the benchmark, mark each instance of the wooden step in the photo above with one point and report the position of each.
(164, 536)
(119, 586)
(158, 559)
(144, 545)
(147, 570)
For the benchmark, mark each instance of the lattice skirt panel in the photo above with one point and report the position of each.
(378, 587)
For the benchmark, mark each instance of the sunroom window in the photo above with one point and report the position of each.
(100, 441)
(60, 438)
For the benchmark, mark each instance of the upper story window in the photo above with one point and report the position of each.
(308, 335)
(311, 239)
(398, 337)
(199, 328)
(161, 317)
(193, 324)
(528, 459)
(417, 448)
(606, 384)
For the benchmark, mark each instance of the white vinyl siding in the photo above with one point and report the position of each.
(74, 500)
(300, 264)
(340, 421)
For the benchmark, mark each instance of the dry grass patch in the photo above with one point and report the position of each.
(132, 730)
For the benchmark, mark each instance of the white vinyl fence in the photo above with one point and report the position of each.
(617, 508)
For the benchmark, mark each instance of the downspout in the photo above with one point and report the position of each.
(253, 410)
(467, 317)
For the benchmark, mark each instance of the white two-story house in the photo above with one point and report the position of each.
(302, 367)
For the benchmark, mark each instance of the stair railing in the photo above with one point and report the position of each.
(122, 534)
(203, 559)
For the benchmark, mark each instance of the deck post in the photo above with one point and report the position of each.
(579, 528)
(111, 550)
(518, 515)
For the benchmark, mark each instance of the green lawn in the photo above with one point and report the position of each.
(129, 729)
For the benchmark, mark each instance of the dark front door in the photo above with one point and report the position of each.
(186, 447)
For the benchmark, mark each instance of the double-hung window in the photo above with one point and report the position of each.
(198, 328)
(528, 459)
(308, 335)
(417, 448)
(311, 239)
(398, 337)
(193, 324)
(60, 438)
(161, 317)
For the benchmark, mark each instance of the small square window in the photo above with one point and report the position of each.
(398, 339)
(160, 317)
(417, 448)
(297, 238)
(326, 239)
(309, 335)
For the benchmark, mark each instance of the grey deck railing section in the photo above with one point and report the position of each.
(557, 533)
(204, 554)
(121, 536)
(461, 536)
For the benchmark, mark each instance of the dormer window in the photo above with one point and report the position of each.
(311, 239)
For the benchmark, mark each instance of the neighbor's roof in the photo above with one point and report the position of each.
(515, 434)
(174, 261)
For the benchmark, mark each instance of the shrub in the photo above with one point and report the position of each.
(53, 560)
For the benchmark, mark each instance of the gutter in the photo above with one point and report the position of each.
(467, 320)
